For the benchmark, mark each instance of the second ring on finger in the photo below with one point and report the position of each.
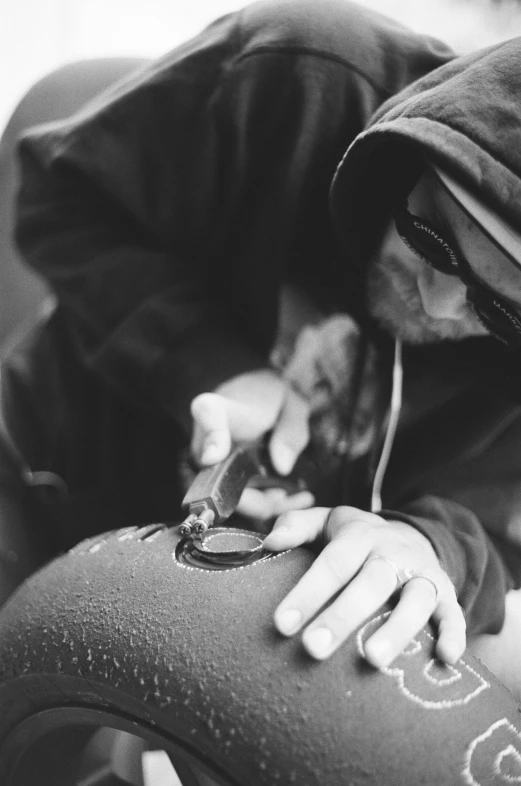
(415, 607)
(406, 574)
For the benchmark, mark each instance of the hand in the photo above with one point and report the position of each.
(244, 409)
(346, 565)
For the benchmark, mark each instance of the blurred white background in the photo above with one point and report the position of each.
(39, 35)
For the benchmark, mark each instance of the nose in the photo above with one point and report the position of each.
(442, 296)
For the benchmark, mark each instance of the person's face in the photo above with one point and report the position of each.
(417, 303)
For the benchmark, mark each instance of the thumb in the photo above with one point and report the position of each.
(296, 527)
(211, 438)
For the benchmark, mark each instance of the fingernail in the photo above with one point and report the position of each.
(274, 539)
(306, 499)
(379, 653)
(449, 652)
(283, 459)
(288, 621)
(211, 454)
(319, 642)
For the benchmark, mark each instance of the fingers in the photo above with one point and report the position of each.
(244, 409)
(291, 432)
(450, 619)
(264, 505)
(358, 602)
(362, 598)
(296, 528)
(336, 565)
(351, 579)
(219, 421)
(415, 608)
(417, 605)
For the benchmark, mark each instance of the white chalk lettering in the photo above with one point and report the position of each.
(494, 757)
(424, 680)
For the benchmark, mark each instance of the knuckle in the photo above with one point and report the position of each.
(293, 504)
(418, 594)
(334, 563)
(452, 624)
(457, 612)
(208, 409)
(288, 519)
(447, 589)
(451, 613)
(382, 573)
(203, 402)
(421, 592)
(336, 620)
(344, 520)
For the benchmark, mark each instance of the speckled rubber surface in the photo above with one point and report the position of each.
(120, 625)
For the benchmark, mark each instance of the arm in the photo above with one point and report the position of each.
(364, 561)
(157, 219)
(470, 555)
(165, 215)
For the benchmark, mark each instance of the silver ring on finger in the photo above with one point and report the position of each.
(399, 583)
(404, 575)
(408, 574)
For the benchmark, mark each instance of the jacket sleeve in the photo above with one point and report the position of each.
(469, 556)
(472, 516)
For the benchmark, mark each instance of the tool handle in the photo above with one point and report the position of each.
(220, 486)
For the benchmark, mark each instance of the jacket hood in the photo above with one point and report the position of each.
(464, 116)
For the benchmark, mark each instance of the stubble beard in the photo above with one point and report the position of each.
(395, 302)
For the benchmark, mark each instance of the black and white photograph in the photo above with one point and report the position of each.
(260, 393)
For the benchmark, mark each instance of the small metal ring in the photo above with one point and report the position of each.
(425, 576)
(404, 575)
(399, 582)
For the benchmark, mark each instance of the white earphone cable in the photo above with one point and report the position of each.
(394, 415)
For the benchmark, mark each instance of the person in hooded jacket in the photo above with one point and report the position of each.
(302, 223)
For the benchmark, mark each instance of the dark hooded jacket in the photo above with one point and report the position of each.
(169, 213)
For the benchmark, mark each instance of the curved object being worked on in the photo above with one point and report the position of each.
(130, 630)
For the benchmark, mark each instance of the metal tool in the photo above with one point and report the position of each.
(215, 492)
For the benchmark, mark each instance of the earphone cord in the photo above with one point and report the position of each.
(394, 415)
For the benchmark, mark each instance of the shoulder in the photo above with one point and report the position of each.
(364, 40)
(324, 25)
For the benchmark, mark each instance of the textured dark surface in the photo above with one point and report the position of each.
(198, 651)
